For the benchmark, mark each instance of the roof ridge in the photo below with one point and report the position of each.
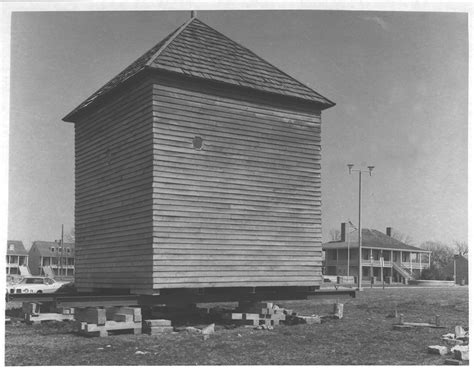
(267, 62)
(173, 36)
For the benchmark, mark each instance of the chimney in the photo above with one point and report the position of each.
(343, 232)
(193, 14)
(389, 231)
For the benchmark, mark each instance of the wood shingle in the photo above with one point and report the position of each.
(197, 50)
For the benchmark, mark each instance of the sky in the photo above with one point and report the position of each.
(399, 81)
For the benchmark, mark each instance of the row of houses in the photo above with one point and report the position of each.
(44, 258)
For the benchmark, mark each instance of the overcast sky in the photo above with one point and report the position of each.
(399, 79)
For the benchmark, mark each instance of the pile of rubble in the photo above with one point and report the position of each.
(459, 343)
(103, 321)
(267, 315)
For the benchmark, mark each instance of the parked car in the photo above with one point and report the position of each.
(35, 284)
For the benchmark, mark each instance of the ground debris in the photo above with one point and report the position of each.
(438, 350)
(208, 330)
(460, 352)
(263, 327)
(141, 352)
(452, 361)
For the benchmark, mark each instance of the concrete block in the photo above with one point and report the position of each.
(134, 312)
(31, 308)
(438, 350)
(461, 352)
(459, 332)
(250, 316)
(208, 329)
(91, 315)
(310, 320)
(121, 317)
(157, 330)
(158, 322)
(248, 322)
(338, 310)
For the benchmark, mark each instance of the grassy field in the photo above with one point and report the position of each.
(363, 337)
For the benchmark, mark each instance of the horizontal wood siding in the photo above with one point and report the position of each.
(246, 209)
(113, 212)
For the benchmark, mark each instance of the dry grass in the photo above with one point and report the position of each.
(363, 337)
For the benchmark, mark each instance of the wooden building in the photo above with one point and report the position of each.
(17, 258)
(51, 259)
(383, 257)
(198, 166)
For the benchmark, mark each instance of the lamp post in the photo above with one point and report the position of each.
(360, 171)
(349, 246)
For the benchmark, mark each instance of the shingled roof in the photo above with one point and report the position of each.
(44, 249)
(372, 238)
(197, 50)
(16, 247)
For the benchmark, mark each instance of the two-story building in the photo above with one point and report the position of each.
(51, 259)
(383, 257)
(17, 258)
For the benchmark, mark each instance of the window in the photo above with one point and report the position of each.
(69, 250)
(33, 281)
(331, 254)
(48, 281)
(365, 254)
(342, 254)
(52, 249)
(11, 247)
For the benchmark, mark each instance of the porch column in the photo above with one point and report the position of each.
(391, 265)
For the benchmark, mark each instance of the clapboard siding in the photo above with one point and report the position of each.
(246, 209)
(113, 213)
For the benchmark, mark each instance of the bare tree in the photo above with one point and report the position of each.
(335, 234)
(404, 238)
(70, 237)
(442, 256)
(461, 247)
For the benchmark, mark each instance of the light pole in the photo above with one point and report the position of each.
(349, 246)
(360, 171)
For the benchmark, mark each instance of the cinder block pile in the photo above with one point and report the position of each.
(258, 313)
(459, 353)
(157, 327)
(36, 313)
(94, 321)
